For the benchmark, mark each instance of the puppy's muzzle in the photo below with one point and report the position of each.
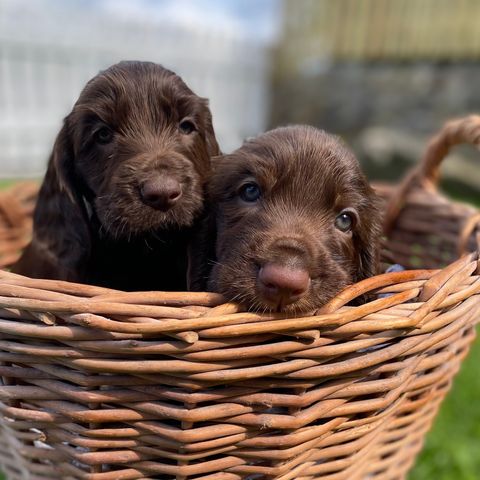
(283, 277)
(161, 192)
(282, 285)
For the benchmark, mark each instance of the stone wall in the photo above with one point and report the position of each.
(353, 99)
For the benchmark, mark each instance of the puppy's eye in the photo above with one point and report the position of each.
(186, 127)
(103, 135)
(250, 192)
(344, 222)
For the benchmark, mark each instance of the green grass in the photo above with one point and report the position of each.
(4, 183)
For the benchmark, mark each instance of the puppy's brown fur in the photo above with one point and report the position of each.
(90, 223)
(306, 178)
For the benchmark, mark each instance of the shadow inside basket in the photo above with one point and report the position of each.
(102, 385)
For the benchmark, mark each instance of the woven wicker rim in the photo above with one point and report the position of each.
(183, 385)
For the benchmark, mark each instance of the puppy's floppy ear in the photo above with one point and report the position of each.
(368, 238)
(61, 234)
(201, 253)
(62, 163)
(212, 145)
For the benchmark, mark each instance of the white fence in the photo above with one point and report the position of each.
(43, 70)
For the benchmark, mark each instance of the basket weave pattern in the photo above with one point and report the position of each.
(105, 385)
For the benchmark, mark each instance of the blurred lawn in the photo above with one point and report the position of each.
(452, 448)
(6, 183)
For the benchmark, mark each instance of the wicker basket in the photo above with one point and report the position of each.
(105, 385)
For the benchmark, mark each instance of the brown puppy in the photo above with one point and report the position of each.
(125, 183)
(295, 219)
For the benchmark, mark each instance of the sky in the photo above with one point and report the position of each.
(248, 18)
(245, 19)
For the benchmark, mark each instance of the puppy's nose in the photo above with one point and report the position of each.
(282, 285)
(161, 193)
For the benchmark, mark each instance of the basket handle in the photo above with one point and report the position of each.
(455, 132)
(427, 174)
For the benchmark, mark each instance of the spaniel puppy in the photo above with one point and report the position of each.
(295, 222)
(125, 183)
